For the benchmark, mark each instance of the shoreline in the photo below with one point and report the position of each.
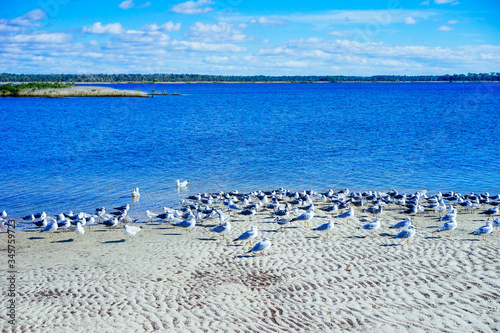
(260, 82)
(86, 91)
(170, 280)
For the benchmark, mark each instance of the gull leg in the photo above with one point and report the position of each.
(408, 242)
(223, 237)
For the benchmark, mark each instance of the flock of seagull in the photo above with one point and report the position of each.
(286, 207)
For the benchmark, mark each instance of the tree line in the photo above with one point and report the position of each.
(153, 78)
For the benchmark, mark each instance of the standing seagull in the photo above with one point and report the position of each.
(448, 227)
(484, 230)
(326, 227)
(131, 230)
(51, 227)
(223, 229)
(79, 229)
(347, 215)
(372, 226)
(490, 212)
(248, 235)
(305, 217)
(261, 246)
(407, 233)
(187, 224)
(403, 224)
(283, 222)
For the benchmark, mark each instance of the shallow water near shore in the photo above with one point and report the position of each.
(81, 153)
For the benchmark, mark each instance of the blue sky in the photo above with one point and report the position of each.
(242, 37)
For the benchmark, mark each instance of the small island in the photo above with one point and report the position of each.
(59, 90)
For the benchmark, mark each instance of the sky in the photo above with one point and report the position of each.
(243, 37)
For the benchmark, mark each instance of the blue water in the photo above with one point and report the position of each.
(81, 153)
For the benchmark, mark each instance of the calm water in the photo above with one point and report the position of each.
(81, 153)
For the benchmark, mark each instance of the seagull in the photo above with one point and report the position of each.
(326, 227)
(135, 193)
(3, 215)
(484, 230)
(490, 212)
(110, 223)
(403, 224)
(407, 233)
(305, 217)
(448, 227)
(347, 215)
(283, 222)
(122, 208)
(248, 235)
(187, 224)
(496, 224)
(261, 246)
(223, 229)
(131, 230)
(151, 215)
(51, 227)
(372, 226)
(222, 216)
(79, 229)
(181, 184)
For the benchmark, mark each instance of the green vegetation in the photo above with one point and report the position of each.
(14, 89)
(181, 78)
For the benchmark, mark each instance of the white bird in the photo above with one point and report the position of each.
(248, 235)
(110, 223)
(496, 223)
(3, 215)
(484, 230)
(490, 212)
(372, 226)
(181, 184)
(407, 233)
(283, 222)
(135, 193)
(222, 229)
(79, 229)
(131, 230)
(346, 215)
(261, 246)
(151, 215)
(448, 227)
(51, 227)
(187, 224)
(403, 224)
(326, 227)
(305, 217)
(222, 216)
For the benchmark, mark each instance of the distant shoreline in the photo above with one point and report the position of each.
(86, 91)
(260, 82)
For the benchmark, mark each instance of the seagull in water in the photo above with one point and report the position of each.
(261, 246)
(131, 230)
(181, 184)
(407, 233)
(248, 235)
(484, 230)
(223, 229)
(326, 227)
(135, 193)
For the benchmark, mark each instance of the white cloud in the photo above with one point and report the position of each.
(410, 20)
(43, 38)
(425, 3)
(263, 20)
(111, 28)
(207, 47)
(218, 32)
(293, 64)
(216, 59)
(452, 22)
(169, 26)
(30, 18)
(127, 4)
(194, 7)
(445, 28)
(341, 33)
(442, 2)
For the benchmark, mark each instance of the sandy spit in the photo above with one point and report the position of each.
(86, 91)
(168, 280)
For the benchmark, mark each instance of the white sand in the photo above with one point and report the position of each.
(168, 281)
(79, 91)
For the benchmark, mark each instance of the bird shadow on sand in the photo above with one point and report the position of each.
(101, 230)
(312, 237)
(390, 244)
(356, 237)
(235, 245)
(245, 256)
(114, 241)
(471, 240)
(385, 234)
(33, 238)
(433, 237)
(64, 241)
(432, 227)
(207, 239)
(170, 234)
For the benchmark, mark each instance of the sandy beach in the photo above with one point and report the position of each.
(167, 280)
